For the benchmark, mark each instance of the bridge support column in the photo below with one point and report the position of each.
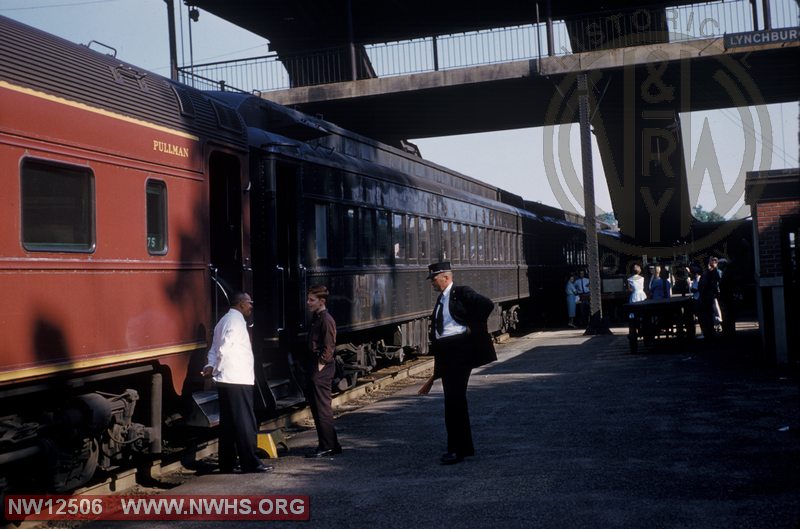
(639, 137)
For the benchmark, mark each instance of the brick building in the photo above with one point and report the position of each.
(774, 199)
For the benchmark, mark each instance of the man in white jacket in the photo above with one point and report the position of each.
(230, 364)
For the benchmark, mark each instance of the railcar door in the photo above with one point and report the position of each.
(225, 230)
(279, 282)
(293, 272)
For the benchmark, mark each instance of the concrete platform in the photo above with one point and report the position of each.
(570, 431)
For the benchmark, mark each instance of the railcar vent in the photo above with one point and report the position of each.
(184, 101)
(121, 72)
(227, 118)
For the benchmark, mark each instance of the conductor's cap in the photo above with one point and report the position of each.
(438, 268)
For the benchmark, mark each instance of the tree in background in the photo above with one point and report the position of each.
(706, 216)
(608, 218)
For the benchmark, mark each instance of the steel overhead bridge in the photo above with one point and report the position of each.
(398, 70)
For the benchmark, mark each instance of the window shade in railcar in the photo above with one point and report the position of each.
(57, 207)
(156, 217)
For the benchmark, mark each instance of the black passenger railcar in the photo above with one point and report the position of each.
(332, 207)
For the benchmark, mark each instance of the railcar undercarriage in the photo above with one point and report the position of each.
(68, 443)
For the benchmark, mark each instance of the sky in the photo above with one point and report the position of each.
(720, 145)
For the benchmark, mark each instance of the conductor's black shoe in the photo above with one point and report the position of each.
(451, 458)
(260, 469)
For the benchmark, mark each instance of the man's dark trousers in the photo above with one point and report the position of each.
(319, 399)
(237, 431)
(453, 354)
(456, 412)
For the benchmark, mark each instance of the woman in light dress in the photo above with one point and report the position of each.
(635, 285)
(572, 297)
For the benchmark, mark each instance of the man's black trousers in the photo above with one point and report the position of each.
(237, 427)
(456, 412)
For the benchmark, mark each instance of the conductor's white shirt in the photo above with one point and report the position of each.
(231, 354)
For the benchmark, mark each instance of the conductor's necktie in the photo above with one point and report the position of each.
(439, 316)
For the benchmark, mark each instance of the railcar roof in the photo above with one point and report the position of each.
(36, 60)
(315, 153)
(261, 113)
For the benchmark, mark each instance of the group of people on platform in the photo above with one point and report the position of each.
(660, 286)
(712, 291)
(460, 342)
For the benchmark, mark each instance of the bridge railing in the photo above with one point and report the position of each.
(599, 31)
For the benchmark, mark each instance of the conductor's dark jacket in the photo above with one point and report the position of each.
(473, 349)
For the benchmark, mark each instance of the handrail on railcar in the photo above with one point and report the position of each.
(213, 269)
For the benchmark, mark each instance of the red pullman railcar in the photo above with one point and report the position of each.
(118, 190)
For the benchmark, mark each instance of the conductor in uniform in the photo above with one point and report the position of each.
(460, 341)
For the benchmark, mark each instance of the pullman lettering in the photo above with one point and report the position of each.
(169, 148)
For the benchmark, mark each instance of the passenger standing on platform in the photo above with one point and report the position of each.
(460, 341)
(661, 286)
(320, 368)
(572, 300)
(694, 287)
(230, 364)
(708, 287)
(727, 297)
(582, 304)
(655, 275)
(635, 285)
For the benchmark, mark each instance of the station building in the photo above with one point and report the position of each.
(774, 200)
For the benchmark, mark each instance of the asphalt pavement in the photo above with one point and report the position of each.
(571, 431)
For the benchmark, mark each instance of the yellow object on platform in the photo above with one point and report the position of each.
(269, 441)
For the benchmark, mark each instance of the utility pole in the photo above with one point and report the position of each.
(596, 322)
(173, 45)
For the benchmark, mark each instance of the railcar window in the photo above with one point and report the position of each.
(473, 244)
(455, 246)
(156, 205)
(398, 238)
(321, 230)
(57, 207)
(435, 230)
(413, 239)
(383, 232)
(481, 245)
(350, 233)
(445, 254)
(368, 239)
(464, 244)
(424, 240)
